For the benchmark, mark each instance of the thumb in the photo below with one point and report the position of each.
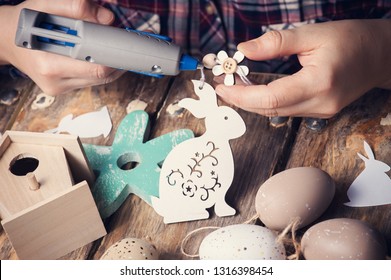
(77, 9)
(275, 44)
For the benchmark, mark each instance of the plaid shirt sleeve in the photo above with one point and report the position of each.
(214, 25)
(9, 2)
(207, 26)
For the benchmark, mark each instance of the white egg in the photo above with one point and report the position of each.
(131, 249)
(242, 242)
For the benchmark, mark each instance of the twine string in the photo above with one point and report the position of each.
(202, 79)
(191, 233)
(187, 237)
(243, 77)
(283, 238)
(252, 219)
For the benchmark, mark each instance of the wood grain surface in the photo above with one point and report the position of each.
(335, 151)
(261, 152)
(10, 104)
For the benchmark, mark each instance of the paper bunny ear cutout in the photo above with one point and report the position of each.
(368, 152)
(372, 187)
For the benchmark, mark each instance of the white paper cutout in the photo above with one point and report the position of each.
(136, 105)
(386, 120)
(372, 186)
(223, 64)
(198, 172)
(174, 109)
(92, 124)
(42, 101)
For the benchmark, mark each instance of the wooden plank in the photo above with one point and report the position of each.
(261, 152)
(116, 96)
(5, 141)
(257, 154)
(8, 112)
(335, 151)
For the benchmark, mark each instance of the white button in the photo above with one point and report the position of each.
(229, 65)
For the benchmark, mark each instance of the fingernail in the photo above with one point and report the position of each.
(104, 15)
(249, 46)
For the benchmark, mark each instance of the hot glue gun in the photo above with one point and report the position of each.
(125, 49)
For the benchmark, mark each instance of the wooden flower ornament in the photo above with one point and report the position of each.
(223, 64)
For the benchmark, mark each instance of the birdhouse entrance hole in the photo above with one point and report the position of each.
(128, 161)
(23, 164)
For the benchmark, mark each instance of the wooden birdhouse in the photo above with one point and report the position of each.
(46, 206)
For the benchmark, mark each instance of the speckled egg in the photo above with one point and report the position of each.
(342, 238)
(131, 249)
(302, 193)
(241, 242)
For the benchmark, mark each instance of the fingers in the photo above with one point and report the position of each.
(281, 93)
(295, 96)
(57, 74)
(82, 83)
(65, 85)
(249, 97)
(276, 44)
(86, 10)
(78, 9)
(71, 68)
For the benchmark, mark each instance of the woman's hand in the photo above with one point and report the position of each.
(54, 74)
(341, 61)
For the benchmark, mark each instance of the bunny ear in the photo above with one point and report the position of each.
(368, 150)
(194, 106)
(206, 93)
(362, 157)
(206, 104)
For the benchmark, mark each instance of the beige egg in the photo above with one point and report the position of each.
(342, 238)
(302, 193)
(131, 249)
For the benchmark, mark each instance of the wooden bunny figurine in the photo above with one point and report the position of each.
(197, 173)
(373, 186)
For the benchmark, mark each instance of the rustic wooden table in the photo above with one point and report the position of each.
(261, 152)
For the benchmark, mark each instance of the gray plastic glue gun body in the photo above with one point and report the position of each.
(114, 47)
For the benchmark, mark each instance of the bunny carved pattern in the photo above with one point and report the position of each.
(372, 186)
(197, 173)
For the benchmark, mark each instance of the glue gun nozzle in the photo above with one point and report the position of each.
(188, 63)
(200, 66)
